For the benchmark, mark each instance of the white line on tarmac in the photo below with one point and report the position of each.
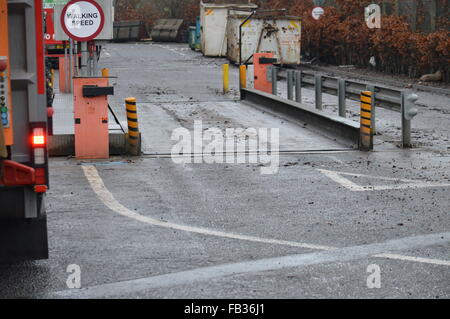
(415, 259)
(127, 288)
(407, 183)
(108, 199)
(257, 152)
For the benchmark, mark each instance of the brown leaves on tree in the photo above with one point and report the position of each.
(342, 37)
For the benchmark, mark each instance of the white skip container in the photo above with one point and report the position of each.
(213, 25)
(280, 35)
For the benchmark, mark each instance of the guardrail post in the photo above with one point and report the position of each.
(342, 98)
(409, 111)
(371, 88)
(366, 134)
(274, 80)
(290, 85)
(298, 86)
(226, 78)
(318, 89)
(134, 139)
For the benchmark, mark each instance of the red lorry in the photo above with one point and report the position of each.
(24, 177)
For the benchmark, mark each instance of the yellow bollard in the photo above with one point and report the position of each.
(133, 125)
(226, 78)
(243, 77)
(105, 72)
(366, 132)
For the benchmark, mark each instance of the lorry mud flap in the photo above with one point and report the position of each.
(23, 239)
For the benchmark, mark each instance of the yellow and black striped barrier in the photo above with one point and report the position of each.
(133, 126)
(366, 132)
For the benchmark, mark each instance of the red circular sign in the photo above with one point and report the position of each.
(90, 34)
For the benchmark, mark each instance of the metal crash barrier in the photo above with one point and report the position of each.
(400, 101)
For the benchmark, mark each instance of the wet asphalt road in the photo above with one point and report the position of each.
(150, 228)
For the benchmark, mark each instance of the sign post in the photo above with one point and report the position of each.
(83, 21)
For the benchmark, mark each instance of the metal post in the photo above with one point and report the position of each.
(406, 125)
(94, 60)
(66, 69)
(77, 67)
(290, 85)
(91, 64)
(371, 88)
(366, 136)
(274, 80)
(105, 72)
(70, 64)
(84, 58)
(409, 111)
(90, 54)
(225, 78)
(318, 88)
(251, 76)
(342, 97)
(242, 77)
(133, 126)
(298, 86)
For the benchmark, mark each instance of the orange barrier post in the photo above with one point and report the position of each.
(261, 62)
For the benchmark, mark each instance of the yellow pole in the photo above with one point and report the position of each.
(133, 125)
(105, 72)
(366, 132)
(243, 77)
(226, 78)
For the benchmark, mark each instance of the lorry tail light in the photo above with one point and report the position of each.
(39, 156)
(38, 141)
(41, 177)
(40, 188)
(38, 138)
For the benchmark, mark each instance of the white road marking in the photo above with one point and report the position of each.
(108, 199)
(340, 180)
(415, 259)
(204, 274)
(406, 183)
